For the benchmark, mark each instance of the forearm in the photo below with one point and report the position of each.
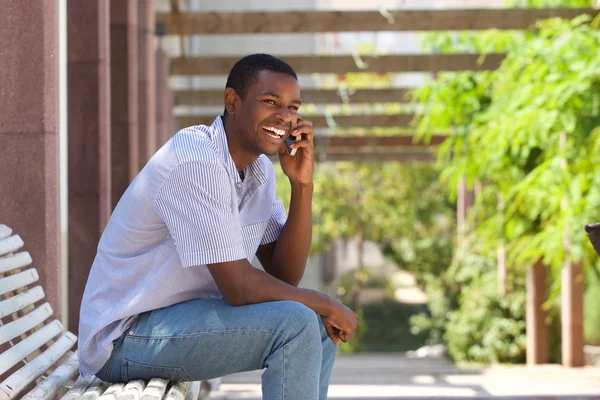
(291, 250)
(248, 285)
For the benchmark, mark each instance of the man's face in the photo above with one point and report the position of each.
(269, 112)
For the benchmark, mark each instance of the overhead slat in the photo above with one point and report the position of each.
(112, 392)
(5, 231)
(357, 21)
(17, 281)
(25, 323)
(79, 387)
(25, 347)
(17, 260)
(308, 96)
(321, 121)
(10, 244)
(18, 381)
(344, 64)
(155, 390)
(57, 380)
(339, 142)
(400, 156)
(20, 301)
(132, 390)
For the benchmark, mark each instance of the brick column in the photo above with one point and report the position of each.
(89, 139)
(162, 93)
(146, 82)
(124, 95)
(29, 195)
(537, 330)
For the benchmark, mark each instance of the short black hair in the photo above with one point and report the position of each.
(244, 73)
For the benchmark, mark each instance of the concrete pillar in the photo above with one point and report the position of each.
(162, 93)
(536, 328)
(29, 161)
(464, 200)
(146, 82)
(124, 95)
(89, 139)
(572, 314)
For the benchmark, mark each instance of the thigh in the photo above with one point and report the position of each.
(208, 338)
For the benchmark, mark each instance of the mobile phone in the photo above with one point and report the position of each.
(288, 142)
(593, 232)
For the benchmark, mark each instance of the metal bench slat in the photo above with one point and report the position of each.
(20, 301)
(112, 392)
(17, 260)
(155, 390)
(57, 380)
(25, 323)
(25, 347)
(177, 391)
(17, 281)
(79, 387)
(10, 244)
(193, 391)
(5, 231)
(133, 390)
(18, 381)
(95, 390)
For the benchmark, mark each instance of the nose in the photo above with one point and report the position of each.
(284, 115)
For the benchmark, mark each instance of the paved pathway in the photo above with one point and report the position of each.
(394, 376)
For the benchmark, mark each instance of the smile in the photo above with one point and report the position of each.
(275, 133)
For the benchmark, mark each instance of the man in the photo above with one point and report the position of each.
(172, 292)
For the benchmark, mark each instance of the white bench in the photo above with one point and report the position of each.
(36, 351)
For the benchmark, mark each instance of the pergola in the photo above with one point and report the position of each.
(120, 110)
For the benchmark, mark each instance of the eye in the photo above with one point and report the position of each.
(269, 101)
(293, 108)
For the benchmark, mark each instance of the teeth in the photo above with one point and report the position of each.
(280, 132)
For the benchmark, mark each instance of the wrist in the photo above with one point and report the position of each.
(304, 186)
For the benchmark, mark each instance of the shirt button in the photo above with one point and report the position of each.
(131, 332)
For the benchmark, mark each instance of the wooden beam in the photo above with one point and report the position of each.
(344, 64)
(378, 156)
(357, 21)
(572, 289)
(331, 143)
(312, 96)
(535, 316)
(320, 121)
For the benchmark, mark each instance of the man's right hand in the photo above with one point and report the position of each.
(340, 323)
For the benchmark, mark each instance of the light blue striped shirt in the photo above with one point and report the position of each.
(188, 207)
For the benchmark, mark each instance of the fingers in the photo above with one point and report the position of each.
(303, 127)
(304, 144)
(331, 332)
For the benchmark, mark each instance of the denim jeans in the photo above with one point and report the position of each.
(208, 338)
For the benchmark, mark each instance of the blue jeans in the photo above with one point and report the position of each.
(209, 338)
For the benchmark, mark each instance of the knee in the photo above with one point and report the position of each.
(302, 318)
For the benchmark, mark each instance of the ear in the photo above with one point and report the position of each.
(232, 100)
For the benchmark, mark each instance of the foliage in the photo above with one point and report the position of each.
(469, 314)
(530, 131)
(591, 320)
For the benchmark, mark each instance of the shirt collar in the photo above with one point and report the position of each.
(221, 141)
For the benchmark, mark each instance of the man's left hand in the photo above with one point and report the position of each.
(300, 167)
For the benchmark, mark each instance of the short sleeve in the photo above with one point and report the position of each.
(196, 204)
(276, 222)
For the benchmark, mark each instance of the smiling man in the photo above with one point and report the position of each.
(172, 292)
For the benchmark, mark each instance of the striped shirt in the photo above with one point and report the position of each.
(188, 207)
